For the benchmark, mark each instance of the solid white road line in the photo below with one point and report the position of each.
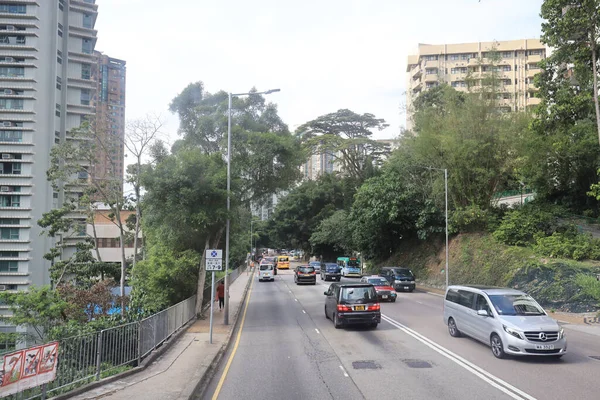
(317, 330)
(304, 311)
(344, 371)
(493, 380)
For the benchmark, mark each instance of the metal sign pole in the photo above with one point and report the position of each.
(212, 302)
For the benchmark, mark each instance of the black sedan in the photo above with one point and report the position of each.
(305, 274)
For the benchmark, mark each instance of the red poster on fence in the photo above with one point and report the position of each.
(25, 369)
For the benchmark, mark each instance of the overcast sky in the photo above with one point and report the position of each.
(324, 55)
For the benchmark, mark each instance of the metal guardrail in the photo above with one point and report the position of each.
(91, 357)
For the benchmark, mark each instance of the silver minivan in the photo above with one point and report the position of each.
(266, 272)
(509, 321)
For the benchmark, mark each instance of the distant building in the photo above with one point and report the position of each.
(317, 165)
(109, 100)
(453, 63)
(107, 237)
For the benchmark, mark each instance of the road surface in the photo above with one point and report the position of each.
(287, 349)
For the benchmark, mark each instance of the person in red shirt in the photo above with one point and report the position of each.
(221, 295)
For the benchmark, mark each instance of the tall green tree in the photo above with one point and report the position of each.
(572, 29)
(346, 136)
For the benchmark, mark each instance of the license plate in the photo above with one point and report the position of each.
(359, 308)
(544, 347)
(405, 287)
(305, 274)
(384, 296)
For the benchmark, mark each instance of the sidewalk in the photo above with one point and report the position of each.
(176, 373)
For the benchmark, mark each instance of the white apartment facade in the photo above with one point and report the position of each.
(46, 55)
(454, 63)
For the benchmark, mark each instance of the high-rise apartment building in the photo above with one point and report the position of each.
(454, 63)
(46, 89)
(317, 165)
(109, 100)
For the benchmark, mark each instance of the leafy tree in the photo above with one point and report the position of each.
(572, 29)
(333, 237)
(346, 135)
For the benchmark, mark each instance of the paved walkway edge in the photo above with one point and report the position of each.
(144, 364)
(202, 384)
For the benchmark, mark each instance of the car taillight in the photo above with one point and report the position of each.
(314, 272)
(374, 307)
(343, 308)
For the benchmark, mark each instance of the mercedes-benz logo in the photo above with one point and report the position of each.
(543, 337)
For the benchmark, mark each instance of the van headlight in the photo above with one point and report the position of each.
(512, 332)
(561, 333)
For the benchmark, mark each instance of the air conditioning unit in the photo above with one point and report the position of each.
(4, 189)
(8, 91)
(9, 59)
(7, 123)
(6, 156)
(2, 288)
(10, 28)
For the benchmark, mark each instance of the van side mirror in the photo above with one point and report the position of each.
(326, 293)
(483, 313)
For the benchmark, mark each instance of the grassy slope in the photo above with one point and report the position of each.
(477, 258)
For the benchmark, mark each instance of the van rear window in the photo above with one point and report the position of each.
(266, 267)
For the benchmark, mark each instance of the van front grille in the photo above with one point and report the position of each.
(542, 337)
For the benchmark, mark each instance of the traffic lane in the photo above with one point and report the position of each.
(544, 378)
(396, 364)
(280, 355)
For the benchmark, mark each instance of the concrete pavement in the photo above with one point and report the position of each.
(180, 371)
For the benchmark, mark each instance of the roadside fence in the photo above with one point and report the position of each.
(86, 358)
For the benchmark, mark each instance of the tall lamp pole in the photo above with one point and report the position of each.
(231, 95)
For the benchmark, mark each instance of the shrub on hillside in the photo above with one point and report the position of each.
(519, 227)
(589, 285)
(568, 244)
(470, 219)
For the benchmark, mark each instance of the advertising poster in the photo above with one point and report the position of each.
(28, 368)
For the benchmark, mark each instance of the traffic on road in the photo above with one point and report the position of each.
(341, 340)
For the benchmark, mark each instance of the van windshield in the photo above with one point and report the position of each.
(284, 259)
(266, 267)
(361, 294)
(515, 304)
(353, 263)
(404, 272)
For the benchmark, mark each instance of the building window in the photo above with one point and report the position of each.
(454, 57)
(85, 97)
(60, 33)
(465, 56)
(12, 71)
(536, 52)
(9, 233)
(431, 71)
(459, 84)
(430, 58)
(13, 8)
(429, 85)
(86, 46)
(534, 66)
(57, 112)
(11, 104)
(506, 54)
(505, 68)
(9, 266)
(507, 81)
(11, 136)
(58, 83)
(86, 71)
(87, 21)
(10, 201)
(9, 254)
(458, 70)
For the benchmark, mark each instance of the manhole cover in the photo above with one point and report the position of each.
(417, 363)
(365, 365)
(595, 357)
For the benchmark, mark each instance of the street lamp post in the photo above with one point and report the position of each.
(251, 223)
(446, 207)
(231, 95)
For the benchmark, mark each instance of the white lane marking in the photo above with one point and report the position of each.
(420, 302)
(344, 371)
(295, 299)
(290, 291)
(317, 330)
(474, 369)
(304, 311)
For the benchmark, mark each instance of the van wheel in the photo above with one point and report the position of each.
(336, 321)
(326, 315)
(373, 325)
(452, 329)
(394, 300)
(497, 346)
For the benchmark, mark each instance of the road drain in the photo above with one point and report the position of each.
(417, 363)
(365, 365)
(595, 357)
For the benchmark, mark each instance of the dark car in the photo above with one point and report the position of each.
(352, 303)
(331, 271)
(400, 278)
(305, 274)
(270, 260)
(316, 265)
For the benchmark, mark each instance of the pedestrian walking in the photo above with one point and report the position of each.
(221, 295)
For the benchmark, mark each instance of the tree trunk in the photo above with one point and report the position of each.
(595, 88)
(201, 279)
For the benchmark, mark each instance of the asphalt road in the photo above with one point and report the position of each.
(289, 350)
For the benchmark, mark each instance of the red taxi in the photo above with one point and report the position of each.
(384, 291)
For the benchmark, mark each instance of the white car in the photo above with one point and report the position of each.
(266, 272)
